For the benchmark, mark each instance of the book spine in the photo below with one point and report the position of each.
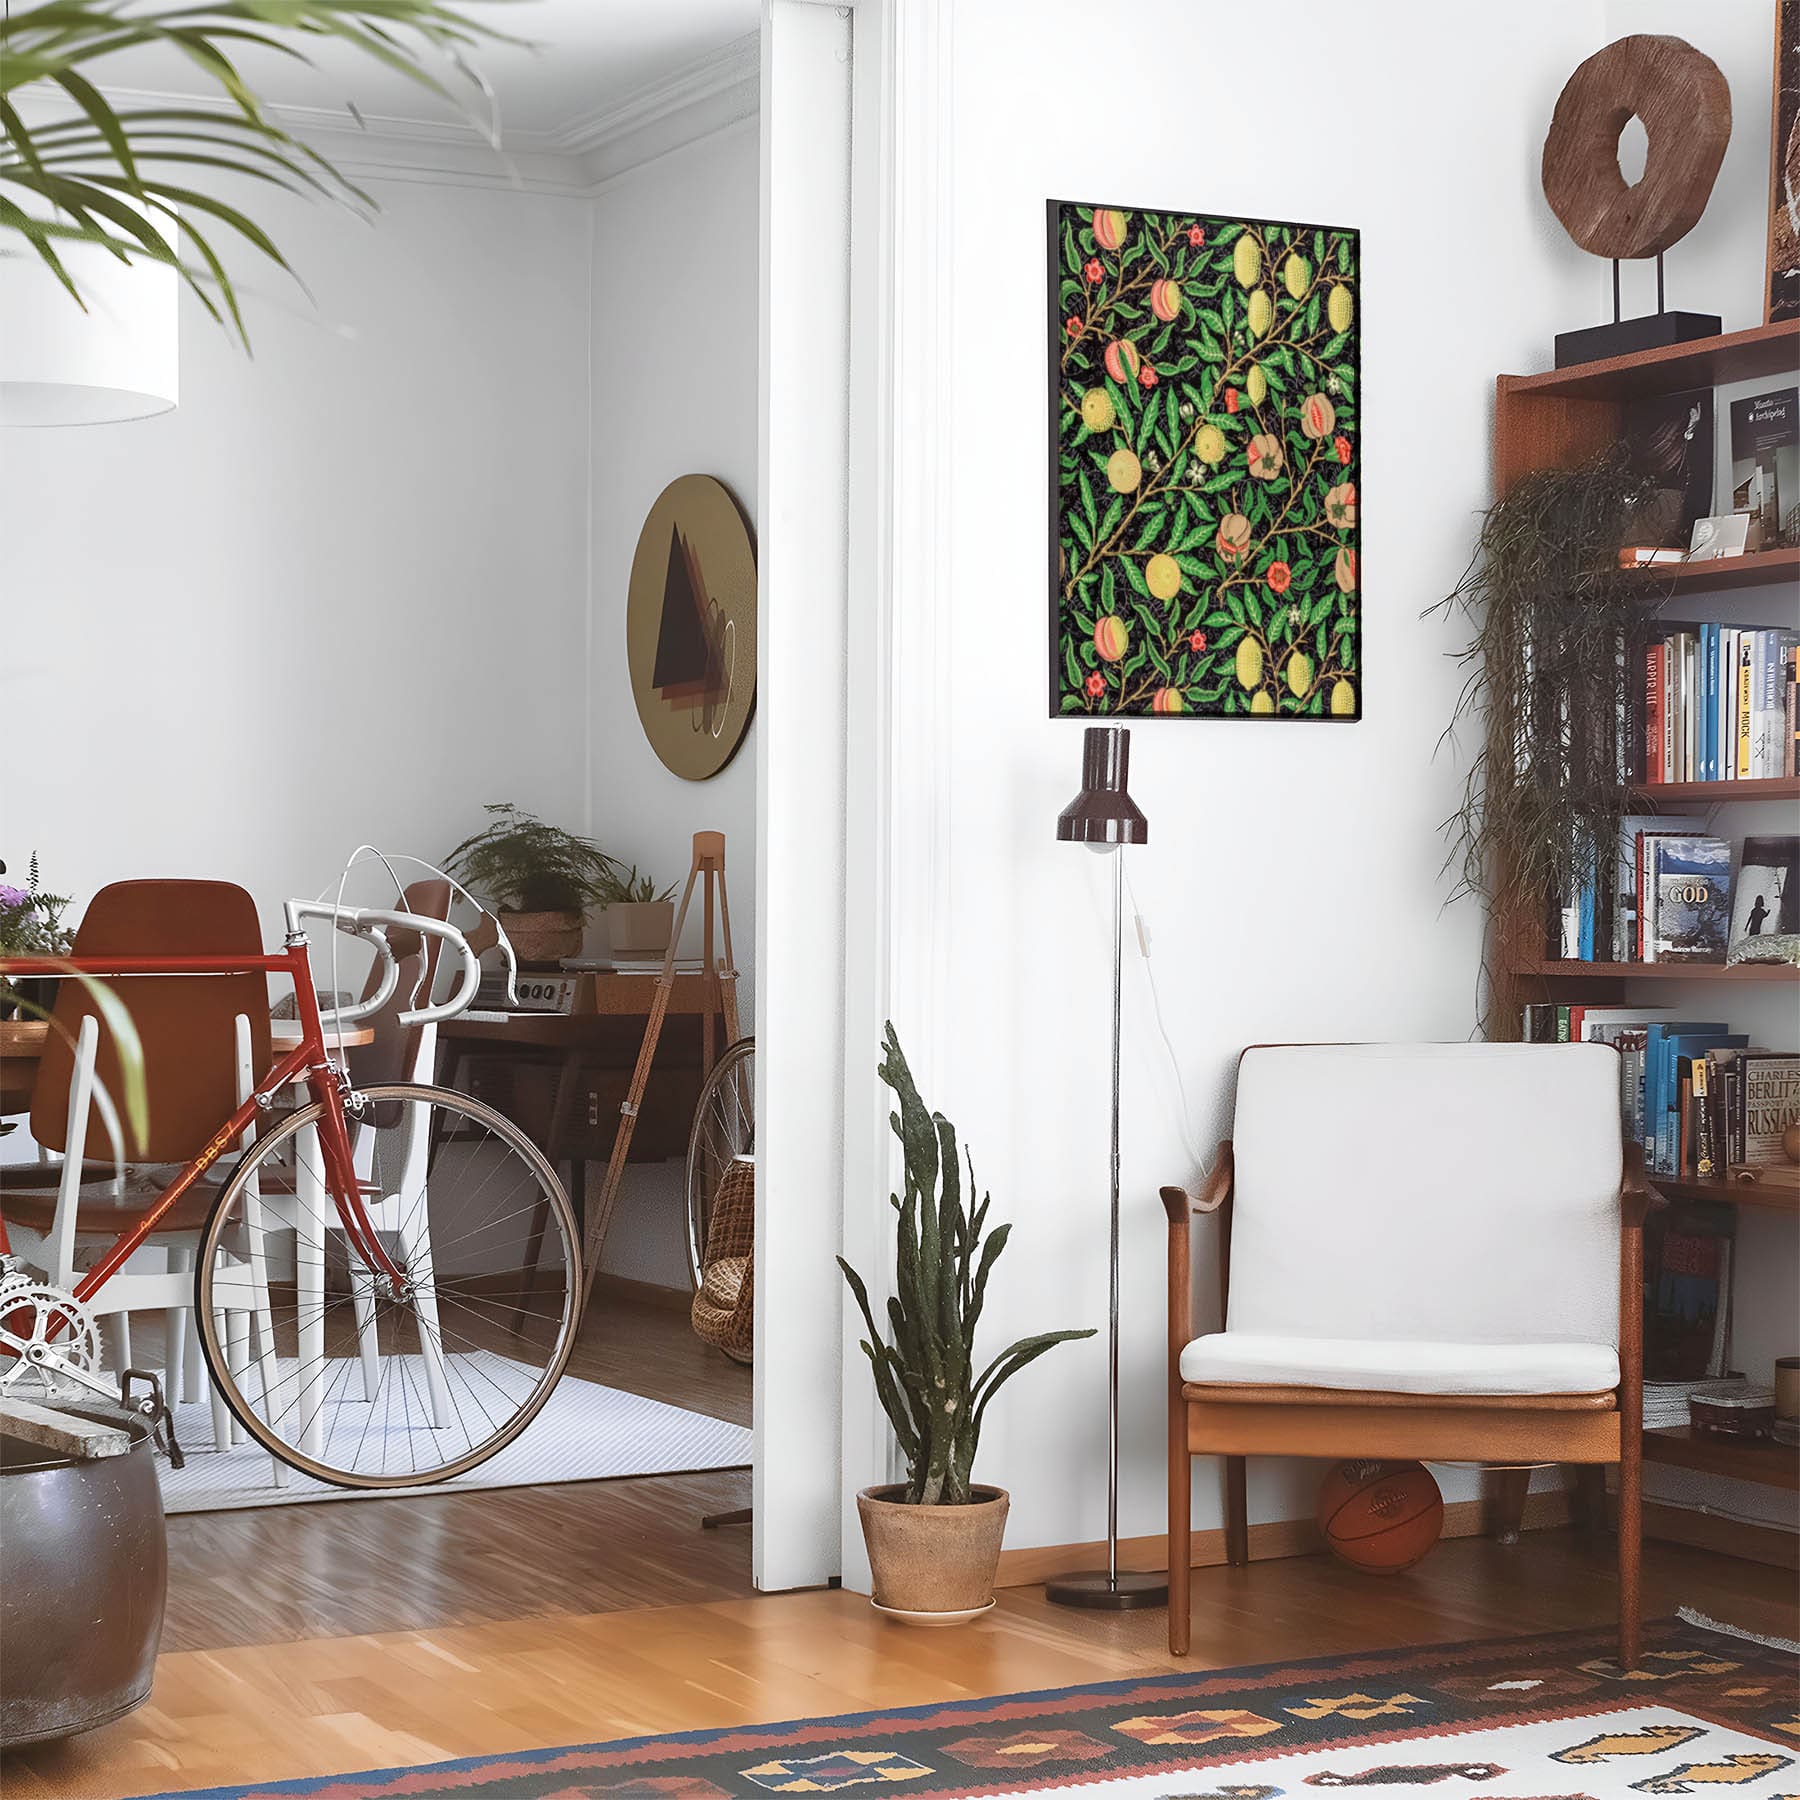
(1647, 904)
(1742, 769)
(1669, 667)
(1705, 1162)
(1726, 740)
(1709, 708)
(1653, 715)
(1562, 1024)
(1690, 704)
(1684, 1124)
(1790, 765)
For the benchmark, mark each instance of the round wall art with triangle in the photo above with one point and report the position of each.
(690, 626)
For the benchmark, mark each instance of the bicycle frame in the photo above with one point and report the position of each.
(308, 1061)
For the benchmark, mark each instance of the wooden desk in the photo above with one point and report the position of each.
(561, 1077)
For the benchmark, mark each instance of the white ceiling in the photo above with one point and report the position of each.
(588, 60)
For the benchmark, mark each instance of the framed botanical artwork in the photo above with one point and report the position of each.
(1784, 168)
(1205, 550)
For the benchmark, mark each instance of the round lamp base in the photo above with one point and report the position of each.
(1095, 1590)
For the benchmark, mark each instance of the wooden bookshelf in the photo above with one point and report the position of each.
(1714, 793)
(1763, 350)
(1759, 568)
(1559, 420)
(1765, 1197)
(1552, 970)
(1743, 1459)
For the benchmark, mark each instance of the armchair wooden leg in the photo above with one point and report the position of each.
(1590, 1499)
(1630, 1548)
(1181, 1548)
(1506, 1501)
(1237, 1513)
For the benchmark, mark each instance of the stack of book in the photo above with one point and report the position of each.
(1719, 704)
(1699, 1097)
(1678, 894)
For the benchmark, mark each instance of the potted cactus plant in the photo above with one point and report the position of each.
(934, 1539)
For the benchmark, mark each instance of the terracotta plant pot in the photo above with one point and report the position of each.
(542, 939)
(640, 928)
(933, 1564)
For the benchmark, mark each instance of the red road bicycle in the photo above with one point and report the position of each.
(387, 1281)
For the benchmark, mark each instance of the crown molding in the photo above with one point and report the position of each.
(706, 96)
(718, 83)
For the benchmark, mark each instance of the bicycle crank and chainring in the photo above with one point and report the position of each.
(47, 1339)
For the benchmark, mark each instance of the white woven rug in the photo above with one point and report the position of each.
(586, 1432)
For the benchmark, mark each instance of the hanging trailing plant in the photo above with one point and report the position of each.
(1549, 681)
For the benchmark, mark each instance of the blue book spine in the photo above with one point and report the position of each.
(1587, 919)
(1650, 1097)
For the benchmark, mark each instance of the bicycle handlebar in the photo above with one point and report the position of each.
(373, 925)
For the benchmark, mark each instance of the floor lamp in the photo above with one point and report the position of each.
(1104, 817)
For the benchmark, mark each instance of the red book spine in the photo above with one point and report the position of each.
(1653, 714)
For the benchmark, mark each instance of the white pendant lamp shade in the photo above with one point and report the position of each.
(120, 359)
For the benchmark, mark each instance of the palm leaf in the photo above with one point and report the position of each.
(80, 170)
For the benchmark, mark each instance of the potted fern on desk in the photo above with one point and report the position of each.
(542, 878)
(934, 1539)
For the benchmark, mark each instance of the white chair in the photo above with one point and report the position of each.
(1426, 1251)
(201, 1039)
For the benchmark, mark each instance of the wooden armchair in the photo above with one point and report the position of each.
(1429, 1251)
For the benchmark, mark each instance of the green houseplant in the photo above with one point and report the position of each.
(542, 878)
(934, 1540)
(639, 919)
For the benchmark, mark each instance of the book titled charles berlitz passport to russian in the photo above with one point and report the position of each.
(1771, 1101)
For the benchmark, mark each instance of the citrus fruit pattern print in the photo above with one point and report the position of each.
(1204, 377)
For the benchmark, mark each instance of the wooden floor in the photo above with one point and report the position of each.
(282, 1573)
(319, 1639)
(336, 1704)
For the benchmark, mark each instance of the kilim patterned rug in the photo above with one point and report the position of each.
(1543, 1718)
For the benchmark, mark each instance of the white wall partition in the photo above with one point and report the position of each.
(805, 600)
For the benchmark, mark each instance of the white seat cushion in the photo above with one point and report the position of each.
(1394, 1366)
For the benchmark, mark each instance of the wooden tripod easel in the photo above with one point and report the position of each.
(720, 977)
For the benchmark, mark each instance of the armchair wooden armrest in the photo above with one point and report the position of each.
(1179, 1204)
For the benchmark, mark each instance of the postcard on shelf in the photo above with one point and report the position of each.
(1670, 441)
(1724, 534)
(1765, 459)
(1767, 899)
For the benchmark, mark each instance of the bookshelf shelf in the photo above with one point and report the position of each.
(1760, 568)
(1776, 787)
(1764, 350)
(1769, 1198)
(1656, 971)
(1758, 1460)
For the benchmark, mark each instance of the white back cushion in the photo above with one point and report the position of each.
(1456, 1192)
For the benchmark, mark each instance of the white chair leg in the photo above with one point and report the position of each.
(193, 1361)
(415, 1255)
(368, 1343)
(115, 1332)
(175, 1329)
(222, 1421)
(309, 1269)
(237, 1359)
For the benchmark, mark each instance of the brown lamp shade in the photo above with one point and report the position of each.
(1103, 812)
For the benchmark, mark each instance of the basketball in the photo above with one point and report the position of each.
(1380, 1517)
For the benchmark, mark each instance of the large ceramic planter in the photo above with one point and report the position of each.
(85, 1570)
(640, 928)
(933, 1565)
(542, 939)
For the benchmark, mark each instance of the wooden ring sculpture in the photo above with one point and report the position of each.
(1685, 104)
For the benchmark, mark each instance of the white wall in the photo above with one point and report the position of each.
(674, 348)
(376, 527)
(1292, 879)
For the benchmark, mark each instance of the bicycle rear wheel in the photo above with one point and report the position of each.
(348, 1376)
(724, 1127)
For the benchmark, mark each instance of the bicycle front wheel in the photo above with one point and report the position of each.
(358, 1379)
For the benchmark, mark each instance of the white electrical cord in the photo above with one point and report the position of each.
(1184, 1113)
